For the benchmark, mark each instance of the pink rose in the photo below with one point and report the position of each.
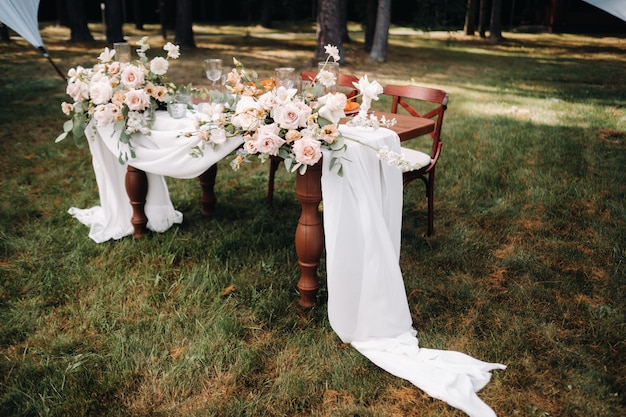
(132, 77)
(137, 100)
(267, 140)
(289, 116)
(307, 151)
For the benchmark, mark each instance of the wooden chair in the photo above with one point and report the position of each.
(345, 85)
(428, 103)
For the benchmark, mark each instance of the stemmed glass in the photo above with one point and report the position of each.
(213, 68)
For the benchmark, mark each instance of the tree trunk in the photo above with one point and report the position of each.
(345, 35)
(184, 20)
(381, 35)
(470, 17)
(78, 21)
(482, 18)
(370, 24)
(138, 14)
(495, 32)
(328, 28)
(113, 17)
(266, 14)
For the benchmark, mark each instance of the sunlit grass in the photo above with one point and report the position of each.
(526, 267)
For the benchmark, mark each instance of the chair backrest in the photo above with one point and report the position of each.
(344, 80)
(401, 96)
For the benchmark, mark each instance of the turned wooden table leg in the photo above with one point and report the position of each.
(309, 233)
(137, 190)
(208, 198)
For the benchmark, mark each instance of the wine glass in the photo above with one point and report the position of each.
(213, 68)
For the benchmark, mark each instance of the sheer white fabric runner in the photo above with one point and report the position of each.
(160, 154)
(367, 304)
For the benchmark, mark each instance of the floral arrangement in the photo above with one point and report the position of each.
(125, 94)
(282, 122)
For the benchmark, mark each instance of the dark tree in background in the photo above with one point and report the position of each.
(369, 23)
(184, 21)
(137, 14)
(381, 34)
(4, 33)
(77, 21)
(495, 29)
(266, 13)
(328, 27)
(114, 14)
(470, 17)
(482, 18)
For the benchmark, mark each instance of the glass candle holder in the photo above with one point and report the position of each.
(332, 67)
(122, 51)
(177, 110)
(285, 77)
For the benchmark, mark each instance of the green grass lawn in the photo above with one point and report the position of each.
(527, 267)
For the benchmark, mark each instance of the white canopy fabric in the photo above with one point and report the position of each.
(21, 16)
(615, 7)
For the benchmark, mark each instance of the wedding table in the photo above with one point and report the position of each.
(367, 303)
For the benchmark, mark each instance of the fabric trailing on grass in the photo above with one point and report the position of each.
(367, 303)
(159, 155)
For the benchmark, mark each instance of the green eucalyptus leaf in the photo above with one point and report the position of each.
(60, 137)
(68, 125)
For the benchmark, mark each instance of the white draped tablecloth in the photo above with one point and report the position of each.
(163, 153)
(367, 303)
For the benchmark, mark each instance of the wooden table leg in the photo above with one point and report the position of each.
(136, 182)
(208, 198)
(309, 233)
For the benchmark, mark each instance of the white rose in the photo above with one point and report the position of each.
(218, 136)
(106, 114)
(172, 50)
(332, 107)
(101, 91)
(159, 65)
(78, 90)
(369, 91)
(246, 114)
(132, 77)
(307, 151)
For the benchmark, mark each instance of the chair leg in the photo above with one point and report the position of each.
(430, 191)
(274, 163)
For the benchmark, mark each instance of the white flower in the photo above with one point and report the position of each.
(332, 107)
(106, 114)
(159, 65)
(307, 150)
(78, 90)
(326, 78)
(369, 91)
(332, 51)
(107, 55)
(247, 114)
(101, 91)
(172, 50)
(283, 95)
